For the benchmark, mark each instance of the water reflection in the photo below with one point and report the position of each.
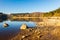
(14, 25)
(27, 19)
(12, 29)
(3, 17)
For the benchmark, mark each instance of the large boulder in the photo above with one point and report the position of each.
(5, 24)
(23, 26)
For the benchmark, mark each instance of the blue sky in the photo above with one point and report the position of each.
(22, 6)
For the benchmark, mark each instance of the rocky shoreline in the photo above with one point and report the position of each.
(39, 33)
(48, 29)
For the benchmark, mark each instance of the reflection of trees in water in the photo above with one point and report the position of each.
(28, 19)
(3, 17)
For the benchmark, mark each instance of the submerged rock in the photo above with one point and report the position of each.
(5, 24)
(24, 26)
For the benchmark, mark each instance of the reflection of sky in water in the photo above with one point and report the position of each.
(13, 28)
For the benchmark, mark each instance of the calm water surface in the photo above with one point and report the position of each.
(13, 28)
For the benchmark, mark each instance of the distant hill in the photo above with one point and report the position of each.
(56, 11)
(49, 14)
(39, 14)
(52, 13)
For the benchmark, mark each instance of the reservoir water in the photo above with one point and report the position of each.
(13, 28)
